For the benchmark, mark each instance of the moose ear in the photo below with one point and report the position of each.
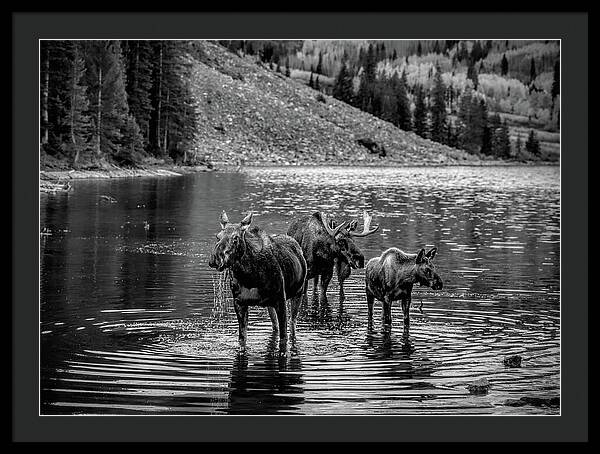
(431, 254)
(420, 256)
(255, 242)
(353, 225)
(245, 223)
(224, 219)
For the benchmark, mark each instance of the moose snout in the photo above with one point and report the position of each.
(438, 284)
(214, 262)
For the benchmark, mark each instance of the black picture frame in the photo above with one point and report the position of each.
(571, 28)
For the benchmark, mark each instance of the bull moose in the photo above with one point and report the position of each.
(391, 276)
(266, 270)
(327, 245)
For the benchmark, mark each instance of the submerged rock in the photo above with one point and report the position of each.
(534, 401)
(481, 386)
(107, 198)
(513, 361)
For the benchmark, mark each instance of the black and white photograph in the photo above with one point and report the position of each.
(341, 227)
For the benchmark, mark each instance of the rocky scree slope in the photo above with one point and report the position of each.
(251, 115)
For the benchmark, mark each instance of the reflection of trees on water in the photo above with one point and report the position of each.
(268, 385)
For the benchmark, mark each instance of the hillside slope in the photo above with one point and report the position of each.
(252, 115)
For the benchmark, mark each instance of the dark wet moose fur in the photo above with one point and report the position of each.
(266, 270)
(327, 246)
(391, 276)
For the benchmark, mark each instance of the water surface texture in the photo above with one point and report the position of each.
(132, 320)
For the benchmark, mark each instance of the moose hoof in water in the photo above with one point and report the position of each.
(513, 361)
(481, 386)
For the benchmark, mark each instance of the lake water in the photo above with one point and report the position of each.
(130, 322)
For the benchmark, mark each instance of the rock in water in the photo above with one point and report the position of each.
(481, 386)
(513, 361)
(534, 401)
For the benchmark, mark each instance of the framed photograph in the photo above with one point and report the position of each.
(339, 226)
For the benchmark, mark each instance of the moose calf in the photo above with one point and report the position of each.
(391, 276)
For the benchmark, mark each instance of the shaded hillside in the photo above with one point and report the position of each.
(250, 113)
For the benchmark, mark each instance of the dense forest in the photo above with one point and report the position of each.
(115, 101)
(489, 97)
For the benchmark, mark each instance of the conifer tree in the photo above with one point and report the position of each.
(109, 111)
(532, 71)
(138, 68)
(311, 83)
(342, 88)
(472, 74)
(366, 88)
(476, 52)
(504, 66)
(472, 117)
(487, 48)
(77, 115)
(556, 82)
(320, 63)
(403, 109)
(532, 145)
(178, 120)
(438, 108)
(504, 141)
(287, 67)
(486, 140)
(420, 113)
(495, 125)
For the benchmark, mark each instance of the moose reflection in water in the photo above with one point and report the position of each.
(274, 384)
(266, 270)
(391, 276)
(327, 245)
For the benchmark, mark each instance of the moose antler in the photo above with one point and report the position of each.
(332, 231)
(367, 218)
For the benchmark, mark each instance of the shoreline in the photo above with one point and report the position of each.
(54, 175)
(52, 180)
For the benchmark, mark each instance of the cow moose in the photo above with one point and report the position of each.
(266, 270)
(391, 276)
(327, 245)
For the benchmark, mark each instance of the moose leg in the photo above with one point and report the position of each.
(281, 309)
(296, 302)
(315, 293)
(325, 279)
(242, 316)
(343, 272)
(370, 301)
(406, 309)
(387, 311)
(273, 316)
